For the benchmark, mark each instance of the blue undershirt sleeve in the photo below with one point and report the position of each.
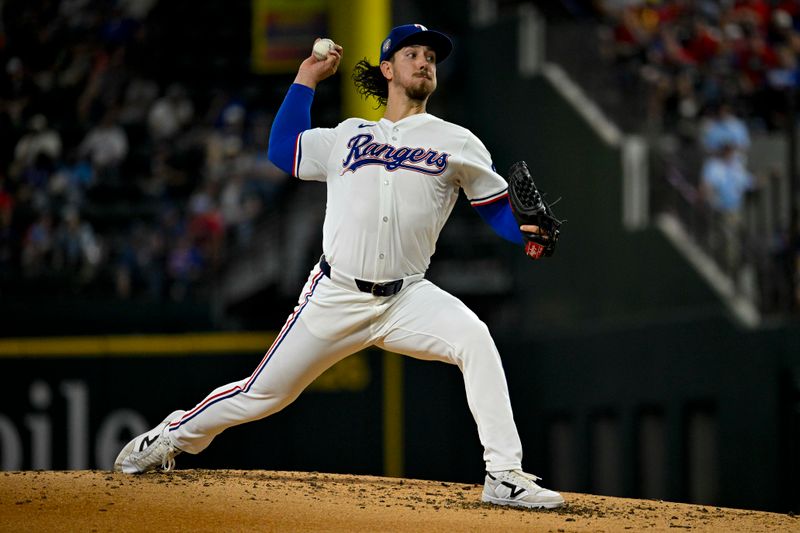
(293, 118)
(499, 216)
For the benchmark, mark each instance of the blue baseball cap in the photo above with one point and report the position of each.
(416, 34)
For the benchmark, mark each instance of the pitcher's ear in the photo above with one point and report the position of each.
(387, 69)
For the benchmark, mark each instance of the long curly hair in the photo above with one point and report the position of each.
(370, 82)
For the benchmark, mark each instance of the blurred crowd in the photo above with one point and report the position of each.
(714, 71)
(111, 178)
(695, 55)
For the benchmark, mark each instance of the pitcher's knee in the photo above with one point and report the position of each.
(475, 337)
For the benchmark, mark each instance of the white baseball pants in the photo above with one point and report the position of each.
(331, 322)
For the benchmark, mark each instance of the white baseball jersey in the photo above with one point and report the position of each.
(391, 187)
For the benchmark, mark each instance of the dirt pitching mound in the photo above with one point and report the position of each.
(233, 500)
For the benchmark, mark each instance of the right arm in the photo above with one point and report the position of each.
(294, 115)
(293, 118)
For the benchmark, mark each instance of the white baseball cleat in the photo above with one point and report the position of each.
(518, 489)
(149, 450)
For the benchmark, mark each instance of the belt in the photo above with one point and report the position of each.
(387, 288)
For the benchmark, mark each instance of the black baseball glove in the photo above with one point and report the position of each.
(530, 208)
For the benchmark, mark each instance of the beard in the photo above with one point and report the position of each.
(420, 91)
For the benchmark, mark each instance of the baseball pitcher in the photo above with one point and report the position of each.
(391, 186)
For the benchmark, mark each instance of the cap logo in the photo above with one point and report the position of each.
(386, 44)
(421, 27)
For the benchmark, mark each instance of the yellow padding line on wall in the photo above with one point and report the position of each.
(133, 345)
(349, 375)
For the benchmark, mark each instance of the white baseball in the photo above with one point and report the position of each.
(322, 47)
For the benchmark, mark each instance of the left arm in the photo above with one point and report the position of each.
(498, 215)
(488, 191)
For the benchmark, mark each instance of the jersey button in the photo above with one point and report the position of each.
(381, 256)
(386, 182)
(386, 219)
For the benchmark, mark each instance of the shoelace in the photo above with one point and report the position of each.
(162, 448)
(168, 463)
(527, 475)
(528, 480)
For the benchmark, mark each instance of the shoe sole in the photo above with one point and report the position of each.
(516, 503)
(126, 451)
